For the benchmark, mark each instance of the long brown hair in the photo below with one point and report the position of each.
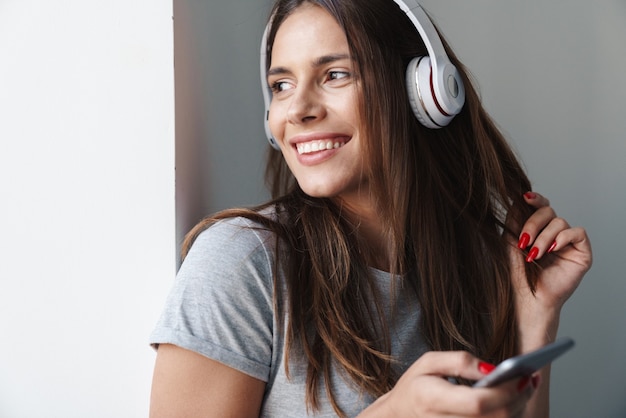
(450, 199)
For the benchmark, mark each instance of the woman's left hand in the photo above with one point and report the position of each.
(564, 255)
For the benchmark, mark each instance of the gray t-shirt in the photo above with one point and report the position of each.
(222, 306)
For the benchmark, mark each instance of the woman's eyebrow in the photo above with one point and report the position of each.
(277, 71)
(327, 59)
(319, 62)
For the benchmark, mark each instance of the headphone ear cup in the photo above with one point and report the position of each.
(422, 96)
(268, 132)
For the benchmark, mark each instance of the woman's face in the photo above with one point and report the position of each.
(314, 109)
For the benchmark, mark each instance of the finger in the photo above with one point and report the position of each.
(510, 396)
(518, 404)
(536, 200)
(577, 239)
(535, 223)
(526, 387)
(532, 199)
(545, 242)
(437, 396)
(449, 364)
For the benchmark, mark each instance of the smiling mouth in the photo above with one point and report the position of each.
(320, 145)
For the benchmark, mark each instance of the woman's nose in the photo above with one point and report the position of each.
(306, 106)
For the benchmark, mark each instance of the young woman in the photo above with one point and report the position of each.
(395, 263)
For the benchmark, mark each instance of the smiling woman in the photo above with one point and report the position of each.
(402, 249)
(314, 112)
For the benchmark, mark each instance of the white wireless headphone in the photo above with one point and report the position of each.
(433, 84)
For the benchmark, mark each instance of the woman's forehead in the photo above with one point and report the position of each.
(310, 30)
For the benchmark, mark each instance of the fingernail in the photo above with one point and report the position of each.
(552, 247)
(485, 368)
(530, 195)
(532, 254)
(523, 383)
(523, 241)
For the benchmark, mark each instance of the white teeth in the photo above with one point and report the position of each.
(314, 146)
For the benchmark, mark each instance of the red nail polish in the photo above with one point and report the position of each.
(530, 195)
(485, 368)
(532, 254)
(523, 241)
(523, 383)
(552, 247)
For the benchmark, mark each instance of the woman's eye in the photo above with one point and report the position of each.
(279, 86)
(338, 75)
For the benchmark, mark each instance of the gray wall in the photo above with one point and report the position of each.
(220, 145)
(551, 74)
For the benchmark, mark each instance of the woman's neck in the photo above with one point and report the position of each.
(374, 237)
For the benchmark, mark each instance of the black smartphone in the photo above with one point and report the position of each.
(525, 364)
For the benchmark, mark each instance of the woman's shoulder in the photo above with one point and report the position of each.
(252, 225)
(233, 239)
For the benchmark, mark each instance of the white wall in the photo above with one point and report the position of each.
(87, 248)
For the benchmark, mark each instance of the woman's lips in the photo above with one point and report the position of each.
(319, 145)
(315, 148)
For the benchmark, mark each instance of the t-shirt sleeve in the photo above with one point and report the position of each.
(221, 304)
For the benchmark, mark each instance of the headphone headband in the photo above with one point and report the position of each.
(444, 73)
(267, 91)
(434, 86)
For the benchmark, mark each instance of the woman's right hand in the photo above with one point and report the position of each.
(424, 391)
